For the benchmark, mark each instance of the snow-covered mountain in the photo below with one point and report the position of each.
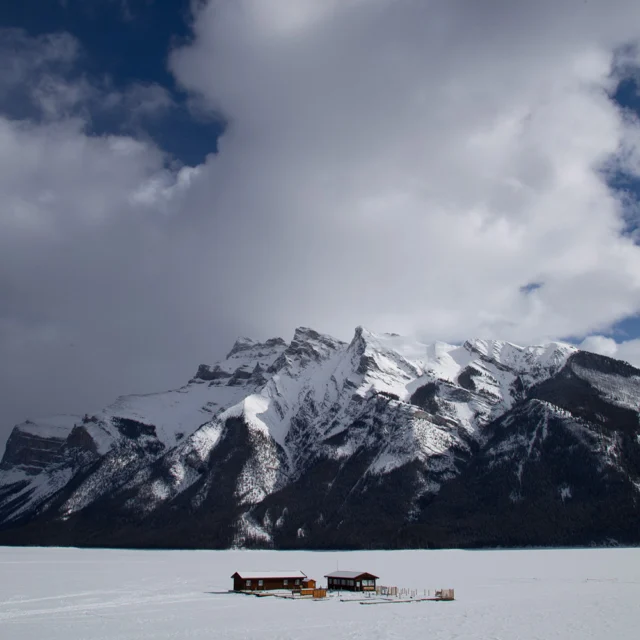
(318, 443)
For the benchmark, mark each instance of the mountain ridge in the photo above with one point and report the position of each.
(318, 443)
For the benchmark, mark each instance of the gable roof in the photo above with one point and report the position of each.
(270, 575)
(350, 574)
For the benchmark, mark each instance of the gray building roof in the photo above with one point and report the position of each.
(269, 575)
(349, 574)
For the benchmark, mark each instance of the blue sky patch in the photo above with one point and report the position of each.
(124, 42)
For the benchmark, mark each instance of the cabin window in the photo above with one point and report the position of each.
(358, 585)
(285, 582)
(248, 583)
(297, 581)
(260, 583)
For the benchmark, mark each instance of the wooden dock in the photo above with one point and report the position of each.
(404, 596)
(396, 601)
(390, 595)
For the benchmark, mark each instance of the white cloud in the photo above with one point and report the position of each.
(411, 165)
(600, 344)
(628, 350)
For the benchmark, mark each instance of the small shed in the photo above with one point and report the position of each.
(267, 580)
(351, 581)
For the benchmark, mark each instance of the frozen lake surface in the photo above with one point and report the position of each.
(73, 594)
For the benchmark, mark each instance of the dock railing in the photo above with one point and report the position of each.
(431, 594)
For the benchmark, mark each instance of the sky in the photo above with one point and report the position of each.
(176, 174)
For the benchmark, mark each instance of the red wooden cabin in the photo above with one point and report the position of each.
(351, 581)
(268, 580)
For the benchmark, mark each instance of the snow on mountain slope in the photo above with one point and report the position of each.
(25, 494)
(318, 387)
(289, 377)
(154, 422)
(177, 413)
(174, 414)
(317, 412)
(531, 363)
(34, 447)
(323, 399)
(55, 427)
(246, 359)
(301, 378)
(624, 393)
(179, 470)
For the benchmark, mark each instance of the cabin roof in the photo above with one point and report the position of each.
(350, 574)
(269, 575)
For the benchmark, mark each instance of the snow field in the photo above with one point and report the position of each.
(72, 594)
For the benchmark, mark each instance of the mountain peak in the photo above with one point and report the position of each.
(241, 344)
(302, 333)
(306, 346)
(305, 335)
(360, 339)
(241, 361)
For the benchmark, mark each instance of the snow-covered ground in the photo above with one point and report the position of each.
(70, 594)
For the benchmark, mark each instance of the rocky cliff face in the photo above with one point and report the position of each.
(382, 442)
(35, 446)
